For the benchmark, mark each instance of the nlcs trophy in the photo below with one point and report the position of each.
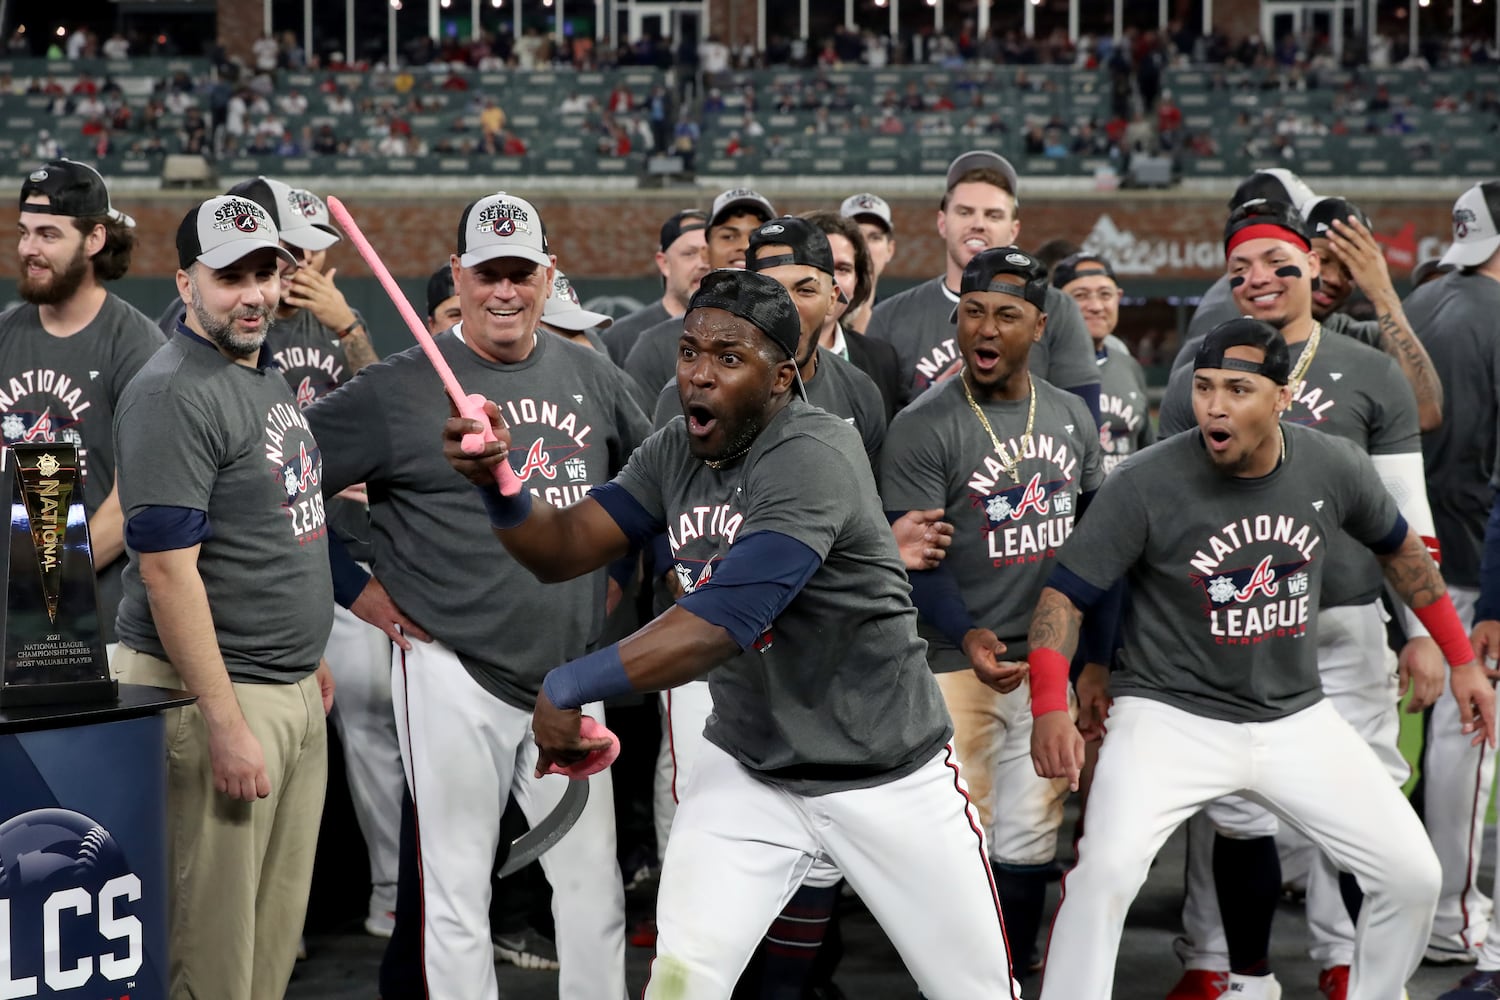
(50, 646)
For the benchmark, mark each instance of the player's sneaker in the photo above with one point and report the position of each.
(1443, 953)
(526, 950)
(1478, 985)
(1200, 984)
(1333, 982)
(381, 923)
(1253, 988)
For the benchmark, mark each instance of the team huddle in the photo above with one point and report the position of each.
(915, 574)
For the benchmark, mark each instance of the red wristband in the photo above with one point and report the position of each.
(1434, 549)
(1049, 681)
(1441, 621)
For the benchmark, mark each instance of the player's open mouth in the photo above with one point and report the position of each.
(986, 358)
(977, 243)
(503, 313)
(700, 420)
(1218, 439)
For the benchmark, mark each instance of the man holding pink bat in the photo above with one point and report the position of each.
(463, 701)
(829, 742)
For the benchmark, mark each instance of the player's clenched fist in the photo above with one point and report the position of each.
(556, 731)
(477, 468)
(1057, 748)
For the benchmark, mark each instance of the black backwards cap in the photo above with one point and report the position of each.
(1320, 215)
(72, 189)
(1080, 265)
(439, 288)
(1246, 332)
(1261, 218)
(755, 298)
(808, 243)
(983, 267)
(685, 221)
(1275, 184)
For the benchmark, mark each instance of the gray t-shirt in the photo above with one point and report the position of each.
(1456, 317)
(1124, 405)
(653, 359)
(573, 422)
(1350, 391)
(622, 334)
(1221, 620)
(1006, 532)
(67, 389)
(837, 694)
(917, 324)
(1366, 331)
(196, 430)
(837, 386)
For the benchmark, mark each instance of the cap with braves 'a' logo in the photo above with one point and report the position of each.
(565, 311)
(1475, 233)
(72, 189)
(736, 201)
(867, 207)
(985, 267)
(983, 159)
(501, 225)
(314, 210)
(1321, 213)
(755, 298)
(1246, 332)
(807, 243)
(226, 229)
(292, 210)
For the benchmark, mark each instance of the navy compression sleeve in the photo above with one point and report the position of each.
(753, 584)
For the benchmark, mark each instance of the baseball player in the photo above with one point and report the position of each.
(1455, 317)
(873, 216)
(462, 700)
(1342, 237)
(564, 316)
(979, 210)
(736, 213)
(854, 275)
(829, 745)
(227, 595)
(1355, 392)
(1222, 534)
(1123, 404)
(1013, 460)
(682, 259)
(70, 349)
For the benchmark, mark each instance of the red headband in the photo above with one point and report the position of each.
(1264, 230)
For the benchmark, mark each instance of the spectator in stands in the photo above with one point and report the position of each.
(511, 145)
(491, 119)
(685, 139)
(288, 146)
(292, 103)
(714, 56)
(265, 52)
(620, 100)
(117, 47)
(338, 103)
(325, 141)
(47, 148)
(576, 104)
(76, 42)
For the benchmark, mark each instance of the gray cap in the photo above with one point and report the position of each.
(501, 225)
(743, 199)
(291, 211)
(564, 311)
(1475, 234)
(226, 229)
(983, 159)
(867, 206)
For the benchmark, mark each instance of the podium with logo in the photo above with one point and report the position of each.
(83, 861)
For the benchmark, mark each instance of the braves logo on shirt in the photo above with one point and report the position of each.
(551, 450)
(297, 466)
(44, 406)
(310, 371)
(698, 539)
(1028, 521)
(1255, 575)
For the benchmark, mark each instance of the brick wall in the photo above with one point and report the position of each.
(240, 22)
(1237, 18)
(1159, 237)
(733, 21)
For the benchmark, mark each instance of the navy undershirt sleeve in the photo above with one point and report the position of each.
(638, 525)
(349, 579)
(1393, 541)
(161, 529)
(1090, 395)
(937, 598)
(753, 584)
(1075, 588)
(1488, 608)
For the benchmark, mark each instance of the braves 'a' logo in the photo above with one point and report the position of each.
(1240, 586)
(1262, 579)
(1035, 498)
(41, 430)
(537, 460)
(305, 393)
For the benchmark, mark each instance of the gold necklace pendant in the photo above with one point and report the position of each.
(1305, 362)
(1011, 464)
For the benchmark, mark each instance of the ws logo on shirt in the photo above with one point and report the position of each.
(554, 446)
(1269, 598)
(298, 467)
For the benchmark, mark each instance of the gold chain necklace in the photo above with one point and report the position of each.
(719, 463)
(1305, 362)
(1009, 465)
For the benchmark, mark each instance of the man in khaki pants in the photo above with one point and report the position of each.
(227, 594)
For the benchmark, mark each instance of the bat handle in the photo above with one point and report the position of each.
(471, 407)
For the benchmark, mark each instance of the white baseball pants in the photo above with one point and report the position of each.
(912, 848)
(684, 710)
(466, 752)
(1159, 765)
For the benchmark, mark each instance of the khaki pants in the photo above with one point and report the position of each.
(240, 871)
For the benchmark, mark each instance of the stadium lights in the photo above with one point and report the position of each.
(496, 3)
(1424, 3)
(880, 3)
(932, 3)
(61, 31)
(446, 3)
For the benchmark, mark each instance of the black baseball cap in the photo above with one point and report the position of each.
(1320, 214)
(226, 229)
(753, 297)
(1274, 184)
(1263, 218)
(985, 266)
(686, 221)
(1080, 265)
(72, 189)
(1246, 332)
(439, 289)
(808, 243)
